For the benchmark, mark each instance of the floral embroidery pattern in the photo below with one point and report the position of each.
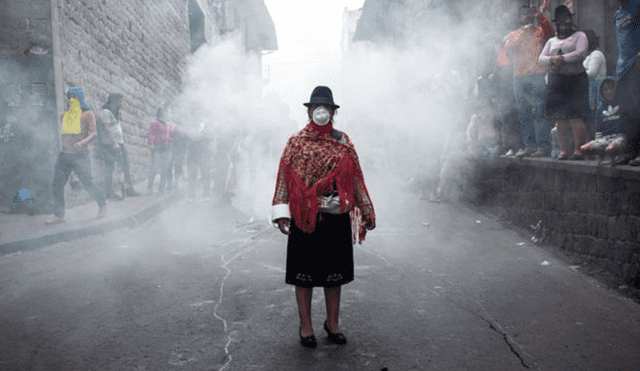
(303, 277)
(334, 277)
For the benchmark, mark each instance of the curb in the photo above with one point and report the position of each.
(48, 240)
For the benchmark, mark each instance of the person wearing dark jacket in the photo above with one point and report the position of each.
(612, 130)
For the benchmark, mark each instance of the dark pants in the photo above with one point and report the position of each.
(80, 163)
(178, 151)
(199, 157)
(110, 157)
(510, 130)
(531, 93)
(628, 92)
(159, 164)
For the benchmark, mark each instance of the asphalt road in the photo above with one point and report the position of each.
(201, 287)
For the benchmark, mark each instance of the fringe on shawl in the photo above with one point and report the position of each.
(303, 202)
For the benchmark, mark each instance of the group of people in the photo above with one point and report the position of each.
(563, 103)
(80, 126)
(169, 143)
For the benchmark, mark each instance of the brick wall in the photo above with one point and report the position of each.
(588, 210)
(134, 47)
(27, 103)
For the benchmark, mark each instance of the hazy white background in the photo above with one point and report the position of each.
(309, 34)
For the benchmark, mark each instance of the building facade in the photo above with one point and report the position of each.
(134, 47)
(391, 21)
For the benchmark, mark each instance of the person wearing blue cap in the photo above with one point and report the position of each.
(78, 130)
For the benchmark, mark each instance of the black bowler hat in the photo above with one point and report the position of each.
(321, 95)
(561, 12)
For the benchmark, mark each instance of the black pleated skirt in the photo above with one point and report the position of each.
(568, 97)
(322, 258)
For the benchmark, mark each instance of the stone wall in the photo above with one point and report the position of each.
(588, 210)
(134, 47)
(28, 144)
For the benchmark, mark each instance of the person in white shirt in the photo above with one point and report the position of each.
(596, 65)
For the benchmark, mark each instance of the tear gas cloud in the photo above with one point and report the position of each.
(223, 91)
(400, 98)
(416, 92)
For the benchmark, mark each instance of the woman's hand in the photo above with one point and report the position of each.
(369, 222)
(284, 224)
(557, 59)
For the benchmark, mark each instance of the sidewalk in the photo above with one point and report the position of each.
(21, 232)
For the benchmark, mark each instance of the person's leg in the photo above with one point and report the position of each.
(180, 163)
(542, 130)
(82, 167)
(303, 297)
(192, 169)
(524, 104)
(124, 158)
(170, 169)
(61, 173)
(633, 141)
(579, 137)
(512, 140)
(628, 94)
(564, 137)
(108, 167)
(332, 299)
(205, 174)
(164, 168)
(153, 168)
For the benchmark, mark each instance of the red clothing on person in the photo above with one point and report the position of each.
(523, 46)
(318, 161)
(159, 133)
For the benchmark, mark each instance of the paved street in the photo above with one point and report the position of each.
(201, 287)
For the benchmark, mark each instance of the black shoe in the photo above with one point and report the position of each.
(338, 338)
(309, 341)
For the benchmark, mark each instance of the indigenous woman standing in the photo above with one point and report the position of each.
(568, 97)
(322, 204)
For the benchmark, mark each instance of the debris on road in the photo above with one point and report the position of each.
(545, 263)
(539, 232)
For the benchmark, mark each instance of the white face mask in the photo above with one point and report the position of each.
(321, 116)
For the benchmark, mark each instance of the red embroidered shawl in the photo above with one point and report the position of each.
(316, 162)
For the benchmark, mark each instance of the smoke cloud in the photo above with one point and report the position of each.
(403, 99)
(223, 91)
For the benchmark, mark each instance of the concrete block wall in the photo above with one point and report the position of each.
(588, 210)
(134, 47)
